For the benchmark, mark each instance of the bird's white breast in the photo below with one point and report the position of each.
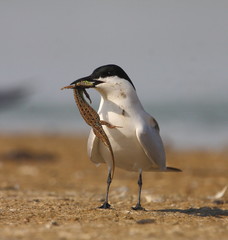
(128, 152)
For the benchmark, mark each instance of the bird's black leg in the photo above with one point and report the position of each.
(106, 205)
(138, 205)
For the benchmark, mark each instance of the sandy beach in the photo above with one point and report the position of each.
(50, 190)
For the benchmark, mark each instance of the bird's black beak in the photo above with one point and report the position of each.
(86, 82)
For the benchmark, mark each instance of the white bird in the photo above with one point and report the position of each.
(136, 144)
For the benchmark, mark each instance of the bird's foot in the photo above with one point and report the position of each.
(105, 205)
(138, 207)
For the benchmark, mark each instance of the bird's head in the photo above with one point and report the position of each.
(108, 80)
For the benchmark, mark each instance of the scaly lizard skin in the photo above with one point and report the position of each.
(91, 117)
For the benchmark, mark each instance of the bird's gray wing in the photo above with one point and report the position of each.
(93, 148)
(149, 138)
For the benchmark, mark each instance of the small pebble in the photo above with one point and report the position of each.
(145, 221)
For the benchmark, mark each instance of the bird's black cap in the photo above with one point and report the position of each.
(110, 70)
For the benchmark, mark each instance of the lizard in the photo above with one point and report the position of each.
(90, 116)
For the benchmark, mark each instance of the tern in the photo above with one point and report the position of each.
(136, 142)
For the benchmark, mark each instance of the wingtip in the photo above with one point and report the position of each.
(171, 169)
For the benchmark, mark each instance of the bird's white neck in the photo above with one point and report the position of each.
(124, 98)
(119, 92)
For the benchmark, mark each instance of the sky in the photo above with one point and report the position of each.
(173, 47)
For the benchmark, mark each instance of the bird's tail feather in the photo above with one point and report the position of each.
(171, 169)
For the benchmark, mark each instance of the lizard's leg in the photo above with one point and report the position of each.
(109, 125)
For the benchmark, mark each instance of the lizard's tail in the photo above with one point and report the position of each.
(108, 145)
(113, 164)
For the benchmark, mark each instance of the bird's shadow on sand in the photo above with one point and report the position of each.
(200, 212)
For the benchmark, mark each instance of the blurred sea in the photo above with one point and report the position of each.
(182, 124)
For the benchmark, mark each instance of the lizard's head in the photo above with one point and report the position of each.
(85, 82)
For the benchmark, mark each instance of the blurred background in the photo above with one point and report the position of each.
(175, 52)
